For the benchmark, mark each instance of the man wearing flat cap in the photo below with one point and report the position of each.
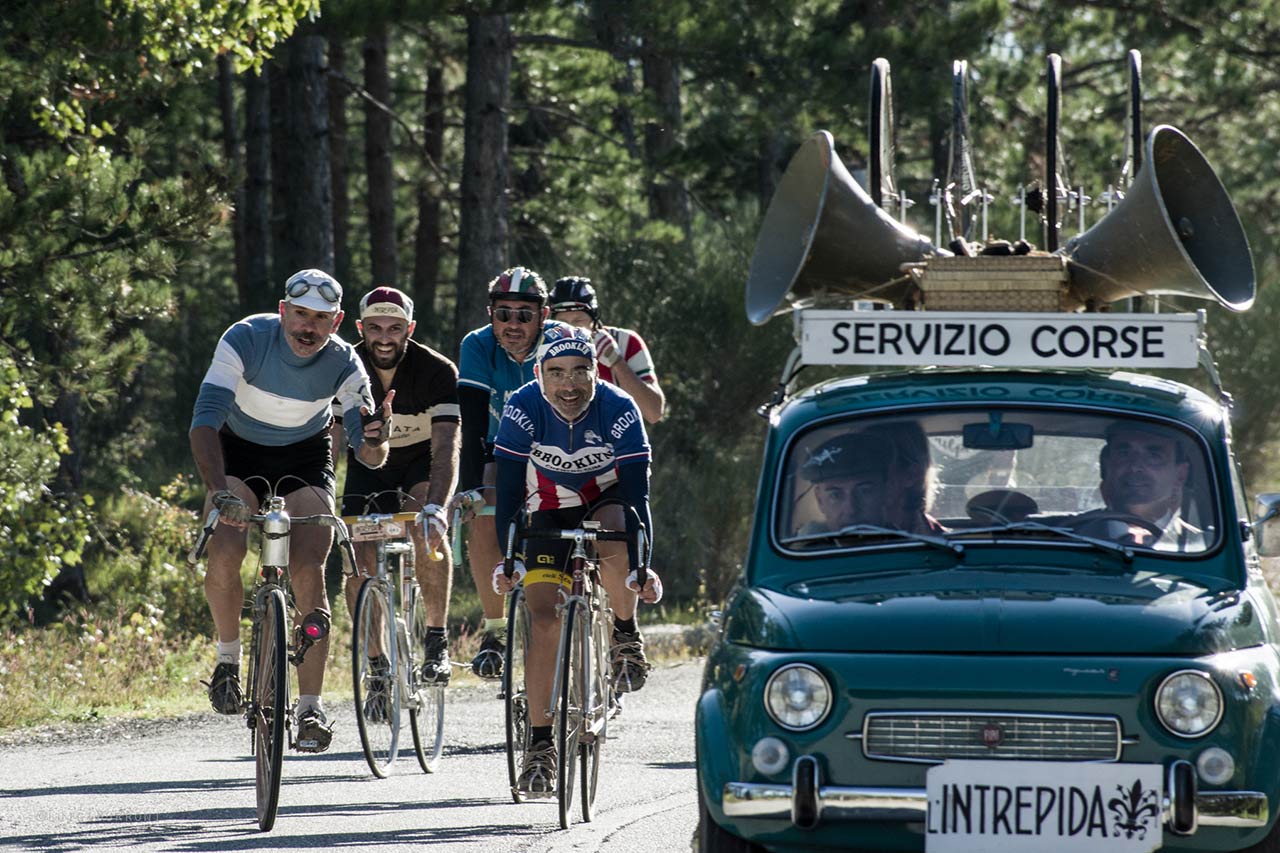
(420, 474)
(850, 474)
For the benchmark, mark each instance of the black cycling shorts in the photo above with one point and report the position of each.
(547, 560)
(285, 469)
(377, 490)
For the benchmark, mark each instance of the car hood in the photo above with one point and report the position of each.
(1013, 611)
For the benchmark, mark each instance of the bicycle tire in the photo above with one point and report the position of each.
(426, 701)
(268, 708)
(373, 629)
(574, 642)
(515, 699)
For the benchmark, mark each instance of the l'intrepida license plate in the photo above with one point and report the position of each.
(1032, 806)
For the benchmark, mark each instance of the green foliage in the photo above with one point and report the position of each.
(138, 559)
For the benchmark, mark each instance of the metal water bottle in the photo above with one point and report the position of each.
(275, 535)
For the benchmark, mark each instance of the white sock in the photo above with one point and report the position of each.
(306, 701)
(229, 652)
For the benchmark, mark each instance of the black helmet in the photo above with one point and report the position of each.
(574, 293)
(518, 283)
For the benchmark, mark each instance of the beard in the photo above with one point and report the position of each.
(386, 360)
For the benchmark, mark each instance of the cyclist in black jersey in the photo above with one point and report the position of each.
(423, 460)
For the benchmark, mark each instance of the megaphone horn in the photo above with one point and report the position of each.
(822, 234)
(1175, 233)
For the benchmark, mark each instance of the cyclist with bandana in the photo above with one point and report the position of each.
(573, 445)
(622, 356)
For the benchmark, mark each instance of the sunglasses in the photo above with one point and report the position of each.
(327, 291)
(506, 315)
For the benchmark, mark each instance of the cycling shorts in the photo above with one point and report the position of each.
(289, 467)
(547, 560)
(377, 490)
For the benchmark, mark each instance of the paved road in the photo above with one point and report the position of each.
(187, 785)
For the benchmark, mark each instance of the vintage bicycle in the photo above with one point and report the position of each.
(583, 699)
(389, 635)
(274, 644)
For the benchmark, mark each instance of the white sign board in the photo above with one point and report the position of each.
(970, 339)
(1043, 807)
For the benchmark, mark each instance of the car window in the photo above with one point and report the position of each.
(1123, 479)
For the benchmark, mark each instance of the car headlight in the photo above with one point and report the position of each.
(1188, 703)
(797, 697)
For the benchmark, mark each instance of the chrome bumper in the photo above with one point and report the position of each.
(835, 803)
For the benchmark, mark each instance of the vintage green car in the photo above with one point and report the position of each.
(997, 610)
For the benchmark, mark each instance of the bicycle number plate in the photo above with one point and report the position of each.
(365, 531)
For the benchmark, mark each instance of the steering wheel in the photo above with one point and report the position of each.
(1002, 506)
(1094, 521)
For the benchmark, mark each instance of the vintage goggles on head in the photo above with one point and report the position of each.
(327, 291)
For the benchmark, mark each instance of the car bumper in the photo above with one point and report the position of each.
(1246, 809)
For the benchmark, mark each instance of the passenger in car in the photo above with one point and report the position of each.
(850, 476)
(912, 477)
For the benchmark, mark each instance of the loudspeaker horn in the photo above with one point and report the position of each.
(1175, 233)
(823, 234)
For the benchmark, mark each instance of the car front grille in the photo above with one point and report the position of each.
(936, 737)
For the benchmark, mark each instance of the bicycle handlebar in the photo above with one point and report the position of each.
(516, 533)
(348, 552)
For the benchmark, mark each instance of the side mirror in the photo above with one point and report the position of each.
(1266, 529)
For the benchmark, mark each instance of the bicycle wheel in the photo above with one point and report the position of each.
(514, 696)
(267, 709)
(600, 683)
(574, 645)
(426, 701)
(374, 662)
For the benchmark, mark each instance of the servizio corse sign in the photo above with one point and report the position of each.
(968, 339)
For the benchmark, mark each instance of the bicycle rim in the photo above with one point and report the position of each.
(601, 695)
(426, 707)
(571, 701)
(270, 696)
(513, 689)
(378, 719)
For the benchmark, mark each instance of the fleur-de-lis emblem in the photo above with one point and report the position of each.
(1133, 809)
(827, 454)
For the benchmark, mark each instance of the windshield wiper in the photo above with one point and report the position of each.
(868, 531)
(1125, 552)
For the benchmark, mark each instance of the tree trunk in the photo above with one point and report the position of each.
(668, 199)
(338, 91)
(257, 192)
(377, 158)
(309, 203)
(482, 244)
(427, 243)
(278, 112)
(231, 153)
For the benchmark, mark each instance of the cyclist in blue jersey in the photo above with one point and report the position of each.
(262, 418)
(568, 444)
(494, 361)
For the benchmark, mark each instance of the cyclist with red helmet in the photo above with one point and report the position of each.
(575, 446)
(494, 361)
(624, 357)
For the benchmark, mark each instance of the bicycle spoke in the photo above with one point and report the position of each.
(426, 705)
(513, 688)
(375, 666)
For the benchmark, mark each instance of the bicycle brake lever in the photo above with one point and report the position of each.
(211, 522)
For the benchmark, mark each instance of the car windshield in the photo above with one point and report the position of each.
(965, 475)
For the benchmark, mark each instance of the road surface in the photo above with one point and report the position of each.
(187, 785)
